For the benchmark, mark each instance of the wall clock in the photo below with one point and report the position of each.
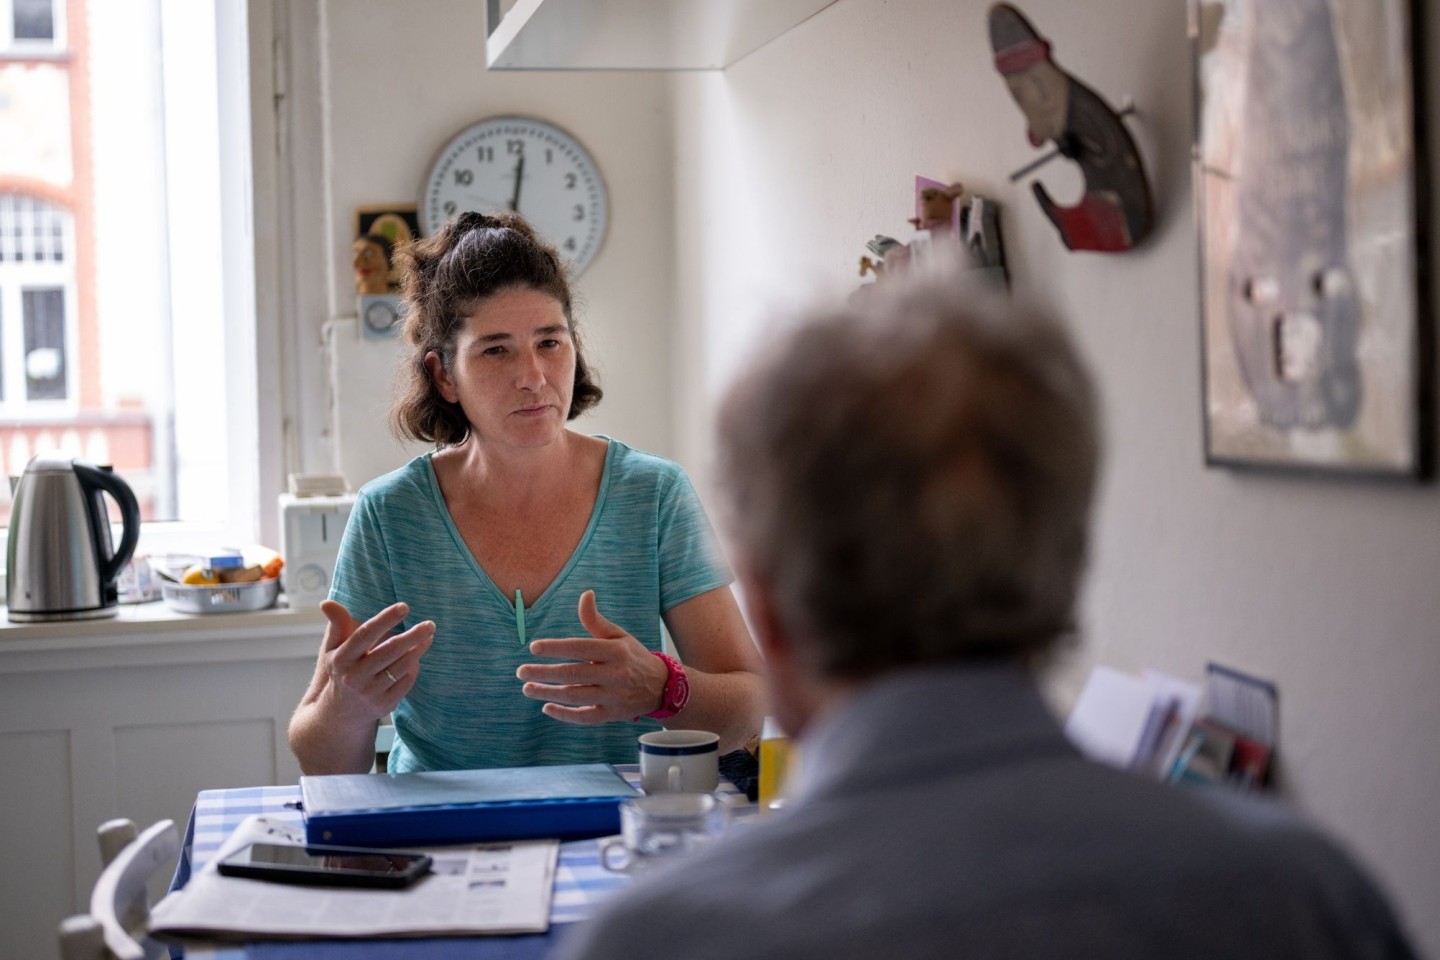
(526, 165)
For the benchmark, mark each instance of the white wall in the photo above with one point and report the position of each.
(397, 81)
(795, 156)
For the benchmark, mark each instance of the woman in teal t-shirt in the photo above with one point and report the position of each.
(518, 575)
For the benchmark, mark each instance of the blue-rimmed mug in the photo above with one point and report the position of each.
(679, 761)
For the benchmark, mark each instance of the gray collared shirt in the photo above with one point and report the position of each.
(942, 813)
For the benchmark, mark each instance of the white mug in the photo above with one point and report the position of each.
(660, 828)
(679, 761)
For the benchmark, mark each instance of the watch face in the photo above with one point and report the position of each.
(525, 165)
(679, 692)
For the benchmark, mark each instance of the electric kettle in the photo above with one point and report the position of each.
(61, 565)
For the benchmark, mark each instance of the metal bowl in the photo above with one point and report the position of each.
(221, 598)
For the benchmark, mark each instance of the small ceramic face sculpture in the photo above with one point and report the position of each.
(371, 265)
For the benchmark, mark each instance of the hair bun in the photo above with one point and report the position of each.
(473, 220)
(505, 220)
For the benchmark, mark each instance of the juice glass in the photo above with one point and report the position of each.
(775, 760)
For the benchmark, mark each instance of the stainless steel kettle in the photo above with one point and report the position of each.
(61, 564)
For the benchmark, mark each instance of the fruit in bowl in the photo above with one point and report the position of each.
(197, 575)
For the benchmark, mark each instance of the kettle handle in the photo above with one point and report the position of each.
(93, 480)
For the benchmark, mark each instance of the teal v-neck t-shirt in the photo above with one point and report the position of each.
(648, 547)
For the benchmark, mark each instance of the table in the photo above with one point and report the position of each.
(580, 884)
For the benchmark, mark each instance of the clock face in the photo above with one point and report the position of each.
(525, 165)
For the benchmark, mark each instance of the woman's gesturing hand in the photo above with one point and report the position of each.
(611, 675)
(369, 669)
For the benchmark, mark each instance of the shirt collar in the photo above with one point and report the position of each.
(935, 719)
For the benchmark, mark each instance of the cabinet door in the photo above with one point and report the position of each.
(81, 746)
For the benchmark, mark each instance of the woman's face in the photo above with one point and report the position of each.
(514, 368)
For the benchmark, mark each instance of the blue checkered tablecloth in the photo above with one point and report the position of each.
(580, 881)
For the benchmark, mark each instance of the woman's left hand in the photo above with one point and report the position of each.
(611, 676)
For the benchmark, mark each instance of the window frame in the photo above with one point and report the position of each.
(249, 34)
(251, 255)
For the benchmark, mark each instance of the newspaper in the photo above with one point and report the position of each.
(487, 888)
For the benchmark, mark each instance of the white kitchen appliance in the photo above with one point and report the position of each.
(310, 531)
(61, 562)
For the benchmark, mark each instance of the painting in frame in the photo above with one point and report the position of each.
(1308, 210)
(399, 223)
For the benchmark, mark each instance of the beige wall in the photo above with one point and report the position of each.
(802, 151)
(736, 192)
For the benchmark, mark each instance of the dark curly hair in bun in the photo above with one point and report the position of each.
(446, 278)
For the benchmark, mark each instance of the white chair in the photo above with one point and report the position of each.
(114, 929)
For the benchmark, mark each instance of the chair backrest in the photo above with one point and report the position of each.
(81, 938)
(120, 902)
(114, 836)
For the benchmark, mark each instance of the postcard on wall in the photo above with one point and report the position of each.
(1306, 206)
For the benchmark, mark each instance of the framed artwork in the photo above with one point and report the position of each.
(1314, 352)
(397, 223)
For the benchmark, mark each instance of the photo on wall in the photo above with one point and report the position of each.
(398, 223)
(1306, 204)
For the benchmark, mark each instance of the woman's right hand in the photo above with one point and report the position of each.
(369, 670)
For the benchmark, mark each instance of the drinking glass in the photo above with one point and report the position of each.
(663, 827)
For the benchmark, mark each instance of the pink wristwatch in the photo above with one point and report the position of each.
(677, 689)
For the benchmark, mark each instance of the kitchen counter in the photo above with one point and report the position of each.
(151, 633)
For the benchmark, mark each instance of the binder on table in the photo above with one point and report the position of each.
(568, 802)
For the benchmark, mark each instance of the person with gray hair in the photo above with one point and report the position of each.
(907, 483)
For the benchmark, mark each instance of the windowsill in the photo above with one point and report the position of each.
(152, 633)
(23, 56)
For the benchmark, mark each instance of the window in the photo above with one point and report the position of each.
(31, 26)
(36, 322)
(44, 344)
(127, 271)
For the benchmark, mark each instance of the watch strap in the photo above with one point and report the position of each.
(677, 688)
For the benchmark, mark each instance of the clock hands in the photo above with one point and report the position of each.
(519, 175)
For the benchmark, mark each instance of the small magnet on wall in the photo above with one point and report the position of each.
(380, 315)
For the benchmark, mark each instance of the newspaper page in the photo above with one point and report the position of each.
(486, 888)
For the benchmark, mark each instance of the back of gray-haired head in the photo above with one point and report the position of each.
(911, 474)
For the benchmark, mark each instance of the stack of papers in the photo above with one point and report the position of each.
(1234, 740)
(1137, 723)
(1170, 729)
(493, 888)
